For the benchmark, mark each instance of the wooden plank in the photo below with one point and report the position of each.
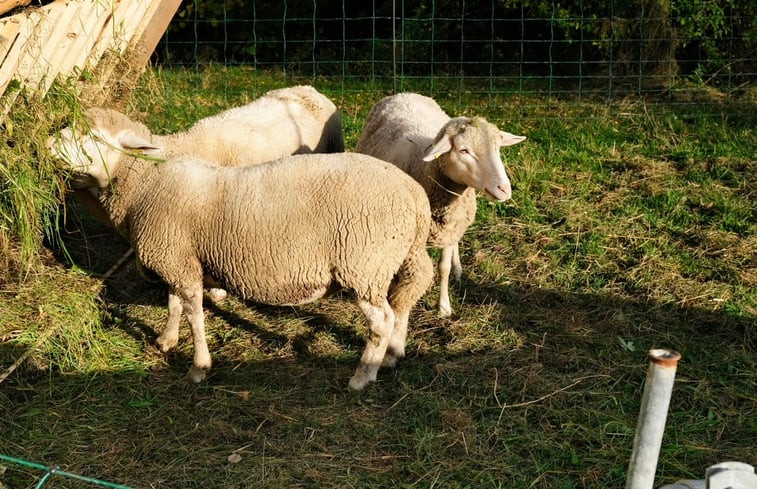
(57, 45)
(37, 65)
(133, 21)
(109, 34)
(18, 50)
(126, 23)
(119, 74)
(8, 5)
(114, 38)
(154, 30)
(76, 38)
(9, 29)
(89, 34)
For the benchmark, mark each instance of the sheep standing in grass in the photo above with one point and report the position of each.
(281, 122)
(450, 157)
(284, 232)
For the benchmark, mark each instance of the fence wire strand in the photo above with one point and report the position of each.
(50, 472)
(490, 48)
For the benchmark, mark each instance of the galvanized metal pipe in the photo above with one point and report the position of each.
(652, 416)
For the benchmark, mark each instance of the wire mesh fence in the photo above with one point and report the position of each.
(652, 48)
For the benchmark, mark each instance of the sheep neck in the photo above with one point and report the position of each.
(123, 190)
(453, 206)
(442, 190)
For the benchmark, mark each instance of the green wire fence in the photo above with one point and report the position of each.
(50, 472)
(579, 48)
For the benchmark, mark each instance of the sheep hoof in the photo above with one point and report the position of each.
(196, 374)
(165, 344)
(358, 382)
(215, 295)
(391, 358)
(389, 361)
(445, 311)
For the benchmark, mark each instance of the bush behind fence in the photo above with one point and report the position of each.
(501, 46)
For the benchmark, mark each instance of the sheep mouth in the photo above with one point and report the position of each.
(500, 196)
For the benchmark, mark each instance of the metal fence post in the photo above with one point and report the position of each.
(652, 416)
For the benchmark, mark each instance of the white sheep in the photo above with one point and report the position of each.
(449, 157)
(286, 121)
(281, 122)
(283, 232)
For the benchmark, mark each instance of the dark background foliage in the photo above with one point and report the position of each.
(711, 41)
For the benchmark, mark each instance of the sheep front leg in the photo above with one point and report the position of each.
(170, 335)
(380, 324)
(457, 268)
(445, 265)
(191, 298)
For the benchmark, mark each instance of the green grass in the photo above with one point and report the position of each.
(632, 226)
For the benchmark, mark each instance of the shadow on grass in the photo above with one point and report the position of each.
(605, 322)
(522, 387)
(556, 410)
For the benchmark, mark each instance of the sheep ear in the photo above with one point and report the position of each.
(129, 140)
(439, 148)
(510, 139)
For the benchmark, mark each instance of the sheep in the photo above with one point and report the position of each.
(291, 120)
(450, 157)
(284, 232)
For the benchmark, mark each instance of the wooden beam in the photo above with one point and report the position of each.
(8, 5)
(154, 30)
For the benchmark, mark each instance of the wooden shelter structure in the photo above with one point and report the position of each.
(109, 41)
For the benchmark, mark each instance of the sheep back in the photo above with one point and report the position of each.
(292, 120)
(279, 233)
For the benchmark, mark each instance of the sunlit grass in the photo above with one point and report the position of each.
(632, 226)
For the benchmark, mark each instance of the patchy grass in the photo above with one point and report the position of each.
(632, 227)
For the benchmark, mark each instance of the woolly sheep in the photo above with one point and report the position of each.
(450, 157)
(291, 120)
(286, 121)
(284, 232)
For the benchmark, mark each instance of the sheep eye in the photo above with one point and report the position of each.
(464, 151)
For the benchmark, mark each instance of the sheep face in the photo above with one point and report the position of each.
(471, 150)
(93, 155)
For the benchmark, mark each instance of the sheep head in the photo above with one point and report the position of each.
(92, 149)
(471, 155)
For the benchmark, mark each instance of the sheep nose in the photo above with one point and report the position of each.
(506, 190)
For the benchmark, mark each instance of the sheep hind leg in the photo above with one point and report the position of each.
(191, 298)
(411, 282)
(395, 350)
(170, 335)
(380, 324)
(445, 266)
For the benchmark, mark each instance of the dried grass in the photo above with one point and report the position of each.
(535, 382)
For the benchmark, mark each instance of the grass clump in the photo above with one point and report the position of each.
(30, 185)
(632, 227)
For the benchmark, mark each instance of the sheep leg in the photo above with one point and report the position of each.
(412, 281)
(191, 298)
(445, 265)
(457, 268)
(170, 335)
(395, 349)
(380, 324)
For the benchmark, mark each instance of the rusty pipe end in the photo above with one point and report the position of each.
(664, 357)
